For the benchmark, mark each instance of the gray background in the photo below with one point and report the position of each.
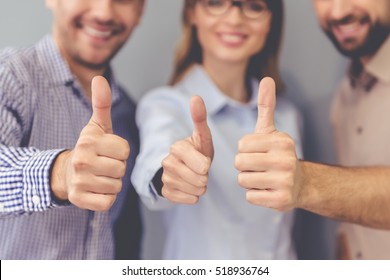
(310, 66)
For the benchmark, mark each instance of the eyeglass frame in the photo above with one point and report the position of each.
(235, 3)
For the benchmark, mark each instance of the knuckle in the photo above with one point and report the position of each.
(251, 198)
(79, 163)
(242, 179)
(203, 180)
(167, 163)
(122, 169)
(175, 148)
(201, 191)
(238, 161)
(204, 167)
(105, 204)
(208, 164)
(126, 150)
(73, 197)
(288, 164)
(118, 186)
(166, 179)
(286, 142)
(165, 191)
(86, 141)
(243, 142)
(193, 200)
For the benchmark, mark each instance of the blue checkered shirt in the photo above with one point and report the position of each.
(42, 112)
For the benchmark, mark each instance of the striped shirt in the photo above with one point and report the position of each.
(42, 112)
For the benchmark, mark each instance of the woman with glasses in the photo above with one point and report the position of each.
(226, 48)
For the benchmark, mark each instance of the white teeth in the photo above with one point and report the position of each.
(349, 27)
(97, 33)
(231, 38)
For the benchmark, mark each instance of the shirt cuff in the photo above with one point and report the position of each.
(37, 195)
(156, 184)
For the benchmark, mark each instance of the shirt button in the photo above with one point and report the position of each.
(36, 200)
(1, 207)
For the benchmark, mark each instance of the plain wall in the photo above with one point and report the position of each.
(310, 66)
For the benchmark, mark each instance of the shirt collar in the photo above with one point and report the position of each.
(198, 82)
(57, 70)
(377, 69)
(379, 65)
(360, 78)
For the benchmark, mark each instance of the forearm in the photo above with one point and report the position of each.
(357, 195)
(160, 122)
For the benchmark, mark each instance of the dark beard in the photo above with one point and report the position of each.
(92, 66)
(376, 36)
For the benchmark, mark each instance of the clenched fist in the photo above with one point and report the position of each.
(90, 175)
(185, 169)
(267, 161)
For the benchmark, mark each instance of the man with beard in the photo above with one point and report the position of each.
(358, 192)
(360, 30)
(61, 169)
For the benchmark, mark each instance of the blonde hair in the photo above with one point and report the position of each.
(264, 63)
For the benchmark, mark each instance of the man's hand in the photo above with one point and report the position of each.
(268, 165)
(185, 169)
(90, 175)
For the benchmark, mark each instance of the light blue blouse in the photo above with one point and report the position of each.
(223, 225)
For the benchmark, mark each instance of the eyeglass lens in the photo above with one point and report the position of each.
(250, 8)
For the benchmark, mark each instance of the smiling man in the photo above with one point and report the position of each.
(61, 190)
(360, 30)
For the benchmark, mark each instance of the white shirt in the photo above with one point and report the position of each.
(223, 225)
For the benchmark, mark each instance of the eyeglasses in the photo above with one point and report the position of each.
(252, 9)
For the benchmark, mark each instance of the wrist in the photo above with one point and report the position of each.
(301, 184)
(58, 177)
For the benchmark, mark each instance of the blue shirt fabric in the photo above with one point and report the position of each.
(42, 112)
(222, 225)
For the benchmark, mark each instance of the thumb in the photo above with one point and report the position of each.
(101, 104)
(201, 135)
(266, 106)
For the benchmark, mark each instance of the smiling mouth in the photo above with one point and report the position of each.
(349, 28)
(232, 38)
(98, 33)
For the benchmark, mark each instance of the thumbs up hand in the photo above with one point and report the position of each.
(185, 169)
(267, 161)
(90, 175)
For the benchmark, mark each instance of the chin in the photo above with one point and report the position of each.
(92, 63)
(368, 45)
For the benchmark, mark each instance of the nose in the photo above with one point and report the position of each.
(340, 9)
(103, 10)
(234, 15)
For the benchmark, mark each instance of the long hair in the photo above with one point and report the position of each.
(264, 63)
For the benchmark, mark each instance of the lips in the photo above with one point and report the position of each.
(354, 29)
(101, 34)
(232, 38)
